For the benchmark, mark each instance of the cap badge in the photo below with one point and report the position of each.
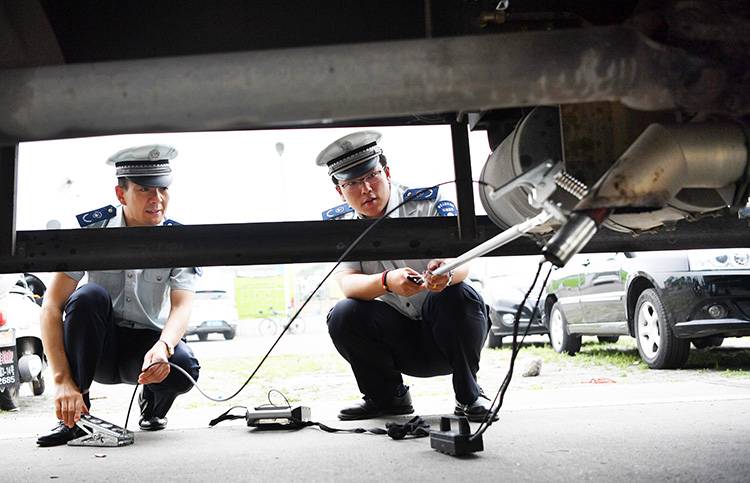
(154, 154)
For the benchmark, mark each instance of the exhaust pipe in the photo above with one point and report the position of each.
(668, 158)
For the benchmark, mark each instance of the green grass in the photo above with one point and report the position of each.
(731, 362)
(258, 294)
(624, 354)
(621, 354)
(591, 354)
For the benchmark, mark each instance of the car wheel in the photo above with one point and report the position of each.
(658, 346)
(203, 337)
(494, 341)
(706, 342)
(559, 337)
(9, 398)
(228, 335)
(37, 385)
(608, 339)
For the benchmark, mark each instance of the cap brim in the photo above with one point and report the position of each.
(152, 181)
(358, 170)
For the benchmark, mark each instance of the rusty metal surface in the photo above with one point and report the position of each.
(596, 134)
(667, 159)
(319, 85)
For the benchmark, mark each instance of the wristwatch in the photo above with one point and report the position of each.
(450, 278)
(170, 347)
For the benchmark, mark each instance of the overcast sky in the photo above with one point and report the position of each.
(225, 177)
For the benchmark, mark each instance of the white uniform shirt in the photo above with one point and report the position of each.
(409, 306)
(139, 296)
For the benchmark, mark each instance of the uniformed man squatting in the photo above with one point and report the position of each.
(110, 331)
(389, 325)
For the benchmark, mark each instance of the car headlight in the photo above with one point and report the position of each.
(719, 259)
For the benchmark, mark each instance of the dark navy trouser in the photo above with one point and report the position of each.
(98, 350)
(381, 343)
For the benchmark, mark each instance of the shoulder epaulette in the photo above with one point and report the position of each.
(446, 208)
(171, 223)
(337, 211)
(421, 194)
(99, 215)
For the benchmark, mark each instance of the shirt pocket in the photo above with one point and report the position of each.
(111, 280)
(156, 275)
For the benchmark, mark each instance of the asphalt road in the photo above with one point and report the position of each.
(575, 421)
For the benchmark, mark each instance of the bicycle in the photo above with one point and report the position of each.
(273, 321)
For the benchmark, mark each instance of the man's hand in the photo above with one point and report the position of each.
(69, 403)
(435, 283)
(158, 372)
(399, 283)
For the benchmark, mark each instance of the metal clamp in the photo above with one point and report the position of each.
(101, 433)
(540, 180)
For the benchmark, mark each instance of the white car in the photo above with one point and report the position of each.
(214, 311)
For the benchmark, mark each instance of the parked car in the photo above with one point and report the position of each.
(214, 312)
(504, 295)
(666, 300)
(213, 327)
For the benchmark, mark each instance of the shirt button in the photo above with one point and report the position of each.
(127, 299)
(158, 279)
(130, 274)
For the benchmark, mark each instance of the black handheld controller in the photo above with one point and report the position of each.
(415, 279)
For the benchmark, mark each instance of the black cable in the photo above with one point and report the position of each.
(299, 309)
(487, 421)
(515, 348)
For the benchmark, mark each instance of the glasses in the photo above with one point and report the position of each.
(370, 178)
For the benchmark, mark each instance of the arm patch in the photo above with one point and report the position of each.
(337, 211)
(419, 194)
(96, 216)
(446, 208)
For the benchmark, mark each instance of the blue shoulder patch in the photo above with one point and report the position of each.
(337, 211)
(171, 223)
(446, 208)
(419, 194)
(95, 216)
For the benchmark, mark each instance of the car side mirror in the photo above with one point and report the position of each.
(629, 254)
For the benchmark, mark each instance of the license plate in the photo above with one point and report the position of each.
(8, 367)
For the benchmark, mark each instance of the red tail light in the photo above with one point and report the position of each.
(3, 320)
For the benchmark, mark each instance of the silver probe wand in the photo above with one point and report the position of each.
(498, 240)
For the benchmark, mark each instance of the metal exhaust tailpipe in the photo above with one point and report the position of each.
(660, 163)
(668, 158)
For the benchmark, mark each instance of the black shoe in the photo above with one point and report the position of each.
(370, 409)
(476, 411)
(153, 423)
(60, 435)
(149, 421)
